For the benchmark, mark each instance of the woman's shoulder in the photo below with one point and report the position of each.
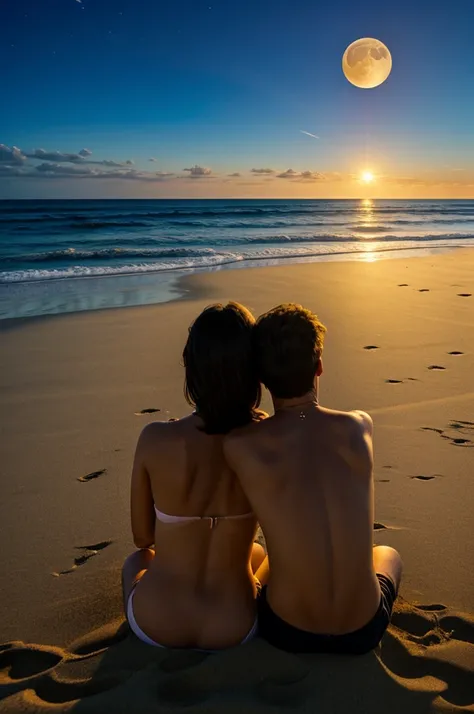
(159, 431)
(164, 428)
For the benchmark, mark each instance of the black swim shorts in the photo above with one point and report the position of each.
(291, 639)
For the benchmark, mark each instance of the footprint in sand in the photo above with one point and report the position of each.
(382, 480)
(458, 425)
(25, 662)
(464, 294)
(92, 475)
(457, 627)
(371, 347)
(413, 379)
(420, 626)
(436, 367)
(403, 285)
(173, 419)
(424, 290)
(425, 478)
(90, 552)
(429, 625)
(455, 353)
(394, 381)
(150, 410)
(380, 527)
(96, 546)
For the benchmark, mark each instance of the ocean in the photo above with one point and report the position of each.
(63, 256)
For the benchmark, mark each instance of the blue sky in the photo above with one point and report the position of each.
(228, 86)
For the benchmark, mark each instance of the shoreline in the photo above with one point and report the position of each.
(171, 281)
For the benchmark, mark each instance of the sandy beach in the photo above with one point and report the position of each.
(400, 345)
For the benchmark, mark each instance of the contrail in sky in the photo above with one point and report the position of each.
(313, 136)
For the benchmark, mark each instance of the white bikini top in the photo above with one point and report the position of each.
(213, 520)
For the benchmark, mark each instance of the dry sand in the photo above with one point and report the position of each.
(72, 389)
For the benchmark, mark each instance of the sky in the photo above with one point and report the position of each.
(212, 98)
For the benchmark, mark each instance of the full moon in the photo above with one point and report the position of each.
(367, 63)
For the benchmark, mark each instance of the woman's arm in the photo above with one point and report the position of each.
(142, 506)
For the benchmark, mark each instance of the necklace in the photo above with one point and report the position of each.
(313, 402)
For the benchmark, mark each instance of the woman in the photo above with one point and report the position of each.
(199, 589)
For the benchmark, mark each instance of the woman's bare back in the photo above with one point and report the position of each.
(198, 590)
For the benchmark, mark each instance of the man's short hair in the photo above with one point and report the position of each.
(288, 342)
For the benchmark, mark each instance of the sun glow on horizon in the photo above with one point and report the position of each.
(367, 176)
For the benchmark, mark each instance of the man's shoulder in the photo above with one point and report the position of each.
(356, 421)
(352, 431)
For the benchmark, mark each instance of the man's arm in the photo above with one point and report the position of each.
(361, 446)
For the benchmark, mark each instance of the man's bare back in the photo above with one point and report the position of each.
(310, 482)
(307, 472)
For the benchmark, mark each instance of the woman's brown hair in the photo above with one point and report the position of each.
(220, 375)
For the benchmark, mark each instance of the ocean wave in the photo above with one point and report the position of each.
(163, 249)
(71, 254)
(369, 228)
(84, 271)
(116, 213)
(212, 260)
(97, 225)
(338, 238)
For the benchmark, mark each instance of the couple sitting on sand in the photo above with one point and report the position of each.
(201, 484)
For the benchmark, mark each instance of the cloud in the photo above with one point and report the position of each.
(56, 156)
(152, 158)
(50, 170)
(262, 171)
(311, 176)
(82, 157)
(134, 175)
(107, 162)
(197, 172)
(234, 175)
(308, 133)
(60, 170)
(11, 170)
(301, 175)
(288, 174)
(11, 155)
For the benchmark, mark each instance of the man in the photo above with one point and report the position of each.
(307, 471)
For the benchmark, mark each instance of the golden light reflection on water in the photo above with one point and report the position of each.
(366, 217)
(369, 257)
(367, 210)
